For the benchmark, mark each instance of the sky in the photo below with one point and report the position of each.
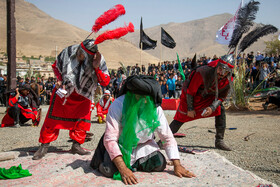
(83, 13)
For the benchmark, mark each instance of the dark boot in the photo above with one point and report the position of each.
(89, 135)
(265, 106)
(14, 112)
(42, 151)
(219, 142)
(76, 148)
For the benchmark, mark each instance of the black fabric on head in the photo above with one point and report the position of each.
(25, 87)
(142, 85)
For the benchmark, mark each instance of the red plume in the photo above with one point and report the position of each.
(108, 16)
(114, 34)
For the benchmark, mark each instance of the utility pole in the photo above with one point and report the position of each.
(56, 52)
(11, 44)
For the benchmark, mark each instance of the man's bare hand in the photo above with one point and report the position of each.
(17, 93)
(128, 177)
(191, 113)
(96, 60)
(208, 112)
(180, 171)
(58, 85)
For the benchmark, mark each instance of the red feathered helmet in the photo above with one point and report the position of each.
(226, 62)
(89, 46)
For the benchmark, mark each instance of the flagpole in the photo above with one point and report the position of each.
(160, 53)
(141, 54)
(161, 46)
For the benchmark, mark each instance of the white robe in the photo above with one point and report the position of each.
(146, 144)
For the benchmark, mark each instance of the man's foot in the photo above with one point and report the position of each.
(106, 171)
(77, 149)
(42, 151)
(89, 135)
(221, 145)
(219, 142)
(88, 139)
(264, 106)
(16, 126)
(100, 120)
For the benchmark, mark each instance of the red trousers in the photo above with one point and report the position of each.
(48, 135)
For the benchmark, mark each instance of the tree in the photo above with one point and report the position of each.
(49, 59)
(25, 58)
(272, 47)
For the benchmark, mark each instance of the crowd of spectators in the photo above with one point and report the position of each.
(41, 86)
(261, 70)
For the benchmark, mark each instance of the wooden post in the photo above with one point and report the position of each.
(11, 44)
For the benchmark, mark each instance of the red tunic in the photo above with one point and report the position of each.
(74, 113)
(200, 103)
(28, 113)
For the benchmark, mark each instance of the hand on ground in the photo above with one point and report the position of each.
(128, 177)
(180, 171)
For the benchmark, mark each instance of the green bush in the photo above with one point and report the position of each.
(272, 47)
(49, 59)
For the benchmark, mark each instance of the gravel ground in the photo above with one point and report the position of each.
(260, 154)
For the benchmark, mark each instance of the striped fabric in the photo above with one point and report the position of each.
(78, 76)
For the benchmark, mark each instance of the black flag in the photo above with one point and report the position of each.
(147, 42)
(194, 63)
(167, 40)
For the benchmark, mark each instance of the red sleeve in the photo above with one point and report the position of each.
(56, 72)
(12, 101)
(103, 78)
(195, 83)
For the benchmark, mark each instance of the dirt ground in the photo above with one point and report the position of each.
(260, 154)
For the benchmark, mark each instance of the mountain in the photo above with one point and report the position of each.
(197, 36)
(39, 34)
